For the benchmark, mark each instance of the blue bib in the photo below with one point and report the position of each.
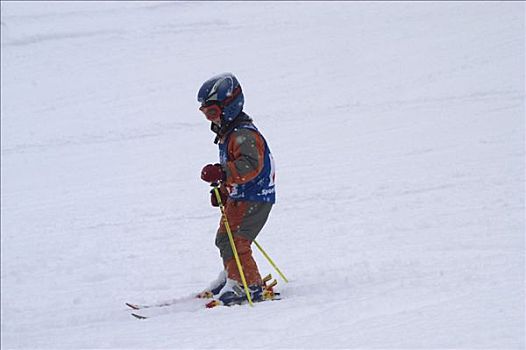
(259, 189)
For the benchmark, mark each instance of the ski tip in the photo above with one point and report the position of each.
(139, 317)
(133, 306)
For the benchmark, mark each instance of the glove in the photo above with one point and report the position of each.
(223, 194)
(213, 173)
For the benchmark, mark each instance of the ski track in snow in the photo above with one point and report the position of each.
(398, 133)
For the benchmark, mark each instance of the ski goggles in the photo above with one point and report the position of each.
(212, 111)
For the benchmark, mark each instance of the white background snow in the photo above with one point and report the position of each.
(398, 134)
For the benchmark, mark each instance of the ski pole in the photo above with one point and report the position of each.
(232, 244)
(270, 261)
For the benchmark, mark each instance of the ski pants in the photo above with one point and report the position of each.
(246, 219)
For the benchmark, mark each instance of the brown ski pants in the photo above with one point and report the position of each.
(246, 219)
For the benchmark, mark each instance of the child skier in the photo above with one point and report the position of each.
(245, 173)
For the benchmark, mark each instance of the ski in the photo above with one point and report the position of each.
(195, 302)
(215, 302)
(188, 305)
(163, 303)
(202, 295)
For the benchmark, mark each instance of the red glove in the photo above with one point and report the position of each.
(213, 173)
(222, 193)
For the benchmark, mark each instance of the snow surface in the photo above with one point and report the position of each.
(398, 134)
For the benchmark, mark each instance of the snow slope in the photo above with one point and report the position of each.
(398, 133)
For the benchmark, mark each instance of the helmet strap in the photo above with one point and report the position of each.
(216, 129)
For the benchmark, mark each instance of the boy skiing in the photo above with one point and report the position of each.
(245, 175)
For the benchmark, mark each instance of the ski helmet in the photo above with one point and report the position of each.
(221, 97)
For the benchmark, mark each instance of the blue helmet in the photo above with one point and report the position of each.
(225, 91)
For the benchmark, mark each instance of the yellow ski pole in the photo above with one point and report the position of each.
(270, 261)
(231, 239)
